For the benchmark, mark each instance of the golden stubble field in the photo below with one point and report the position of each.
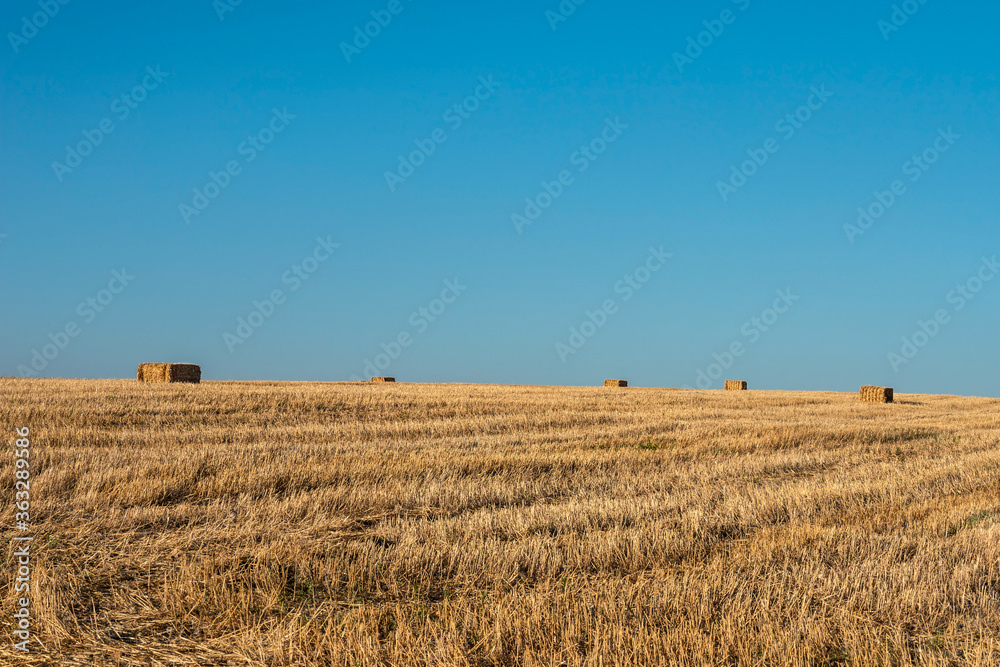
(355, 524)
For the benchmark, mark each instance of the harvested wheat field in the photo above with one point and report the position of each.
(408, 524)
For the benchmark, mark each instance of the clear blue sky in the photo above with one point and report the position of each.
(633, 138)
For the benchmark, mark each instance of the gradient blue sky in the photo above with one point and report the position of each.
(655, 185)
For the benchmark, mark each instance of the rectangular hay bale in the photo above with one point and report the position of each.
(151, 373)
(158, 372)
(736, 385)
(616, 383)
(383, 379)
(872, 394)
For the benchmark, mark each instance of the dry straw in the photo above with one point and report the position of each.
(857, 540)
(155, 372)
(616, 383)
(736, 385)
(383, 379)
(870, 394)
